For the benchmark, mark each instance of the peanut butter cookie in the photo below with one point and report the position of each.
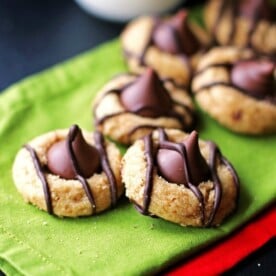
(237, 89)
(129, 106)
(69, 173)
(175, 176)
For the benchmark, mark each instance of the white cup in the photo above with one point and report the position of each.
(124, 10)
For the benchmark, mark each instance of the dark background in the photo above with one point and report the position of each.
(37, 34)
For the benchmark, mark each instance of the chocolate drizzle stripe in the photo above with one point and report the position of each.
(133, 130)
(106, 117)
(234, 6)
(106, 167)
(233, 22)
(219, 83)
(70, 138)
(174, 83)
(252, 27)
(148, 43)
(213, 155)
(40, 174)
(268, 99)
(228, 66)
(233, 173)
(221, 10)
(173, 114)
(111, 91)
(180, 148)
(149, 174)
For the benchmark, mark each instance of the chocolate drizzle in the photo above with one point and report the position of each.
(268, 88)
(40, 173)
(177, 34)
(180, 148)
(214, 157)
(223, 6)
(253, 10)
(99, 142)
(149, 176)
(70, 138)
(214, 153)
(169, 113)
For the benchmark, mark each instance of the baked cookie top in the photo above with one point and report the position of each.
(243, 23)
(168, 45)
(69, 172)
(237, 88)
(173, 175)
(130, 106)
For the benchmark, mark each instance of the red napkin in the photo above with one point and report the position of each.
(225, 255)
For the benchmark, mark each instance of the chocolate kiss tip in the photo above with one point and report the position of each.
(199, 170)
(182, 14)
(266, 67)
(193, 135)
(191, 144)
(150, 73)
(60, 161)
(149, 70)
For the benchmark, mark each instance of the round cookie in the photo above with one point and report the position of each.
(237, 89)
(168, 45)
(243, 23)
(69, 173)
(130, 106)
(175, 176)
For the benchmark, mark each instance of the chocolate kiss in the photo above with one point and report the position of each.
(174, 36)
(171, 163)
(253, 8)
(147, 96)
(60, 161)
(254, 77)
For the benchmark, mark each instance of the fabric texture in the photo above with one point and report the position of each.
(118, 241)
(229, 252)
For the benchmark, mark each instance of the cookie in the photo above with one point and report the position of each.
(168, 45)
(237, 89)
(69, 173)
(243, 23)
(130, 106)
(173, 175)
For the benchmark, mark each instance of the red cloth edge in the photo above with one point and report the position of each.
(233, 249)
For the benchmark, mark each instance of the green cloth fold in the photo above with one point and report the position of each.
(119, 241)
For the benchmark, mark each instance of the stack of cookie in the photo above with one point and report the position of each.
(167, 171)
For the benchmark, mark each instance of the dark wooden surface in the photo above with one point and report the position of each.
(37, 34)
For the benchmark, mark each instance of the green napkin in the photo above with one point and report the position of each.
(119, 241)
